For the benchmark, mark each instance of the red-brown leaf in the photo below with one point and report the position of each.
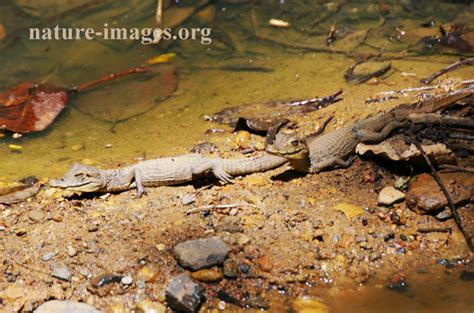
(29, 108)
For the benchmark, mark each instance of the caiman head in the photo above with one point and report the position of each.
(288, 146)
(80, 178)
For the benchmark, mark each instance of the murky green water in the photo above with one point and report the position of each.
(174, 125)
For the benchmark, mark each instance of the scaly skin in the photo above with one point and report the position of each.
(314, 154)
(160, 172)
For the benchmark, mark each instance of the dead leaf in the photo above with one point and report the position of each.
(3, 33)
(348, 209)
(173, 17)
(29, 108)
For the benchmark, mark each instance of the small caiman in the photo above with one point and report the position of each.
(160, 172)
(316, 153)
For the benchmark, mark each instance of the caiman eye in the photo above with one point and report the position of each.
(295, 143)
(80, 176)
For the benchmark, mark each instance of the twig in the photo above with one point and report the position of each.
(159, 13)
(28, 267)
(457, 168)
(423, 88)
(451, 67)
(434, 230)
(221, 206)
(451, 204)
(110, 77)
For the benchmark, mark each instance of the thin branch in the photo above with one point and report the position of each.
(159, 13)
(221, 206)
(451, 67)
(451, 204)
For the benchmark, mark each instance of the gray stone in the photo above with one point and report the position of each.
(62, 273)
(389, 195)
(183, 294)
(47, 256)
(56, 306)
(188, 199)
(201, 253)
(127, 280)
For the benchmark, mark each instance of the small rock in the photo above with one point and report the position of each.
(148, 306)
(201, 253)
(306, 304)
(20, 232)
(242, 139)
(77, 147)
(265, 263)
(231, 268)
(127, 280)
(71, 251)
(47, 256)
(208, 275)
(36, 215)
(104, 279)
(389, 195)
(66, 306)
(187, 199)
(92, 228)
(183, 294)
(243, 240)
(425, 197)
(62, 273)
(244, 268)
(147, 274)
(140, 284)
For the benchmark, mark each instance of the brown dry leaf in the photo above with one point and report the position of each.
(3, 33)
(173, 17)
(28, 108)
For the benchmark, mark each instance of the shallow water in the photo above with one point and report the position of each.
(175, 125)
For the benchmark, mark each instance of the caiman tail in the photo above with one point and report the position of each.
(243, 166)
(433, 104)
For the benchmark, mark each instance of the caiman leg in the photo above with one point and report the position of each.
(318, 167)
(216, 169)
(138, 178)
(365, 135)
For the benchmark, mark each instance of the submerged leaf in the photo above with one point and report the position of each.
(29, 108)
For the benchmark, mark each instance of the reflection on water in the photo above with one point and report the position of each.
(174, 125)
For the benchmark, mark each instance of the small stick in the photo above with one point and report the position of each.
(220, 206)
(110, 77)
(29, 268)
(457, 168)
(159, 13)
(451, 67)
(434, 230)
(451, 204)
(423, 88)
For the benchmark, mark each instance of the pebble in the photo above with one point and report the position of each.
(243, 240)
(47, 256)
(231, 268)
(140, 284)
(20, 232)
(148, 306)
(188, 199)
(71, 251)
(62, 273)
(306, 304)
(265, 263)
(183, 294)
(127, 280)
(201, 253)
(77, 147)
(65, 306)
(147, 274)
(389, 195)
(208, 275)
(36, 215)
(425, 197)
(92, 228)
(242, 139)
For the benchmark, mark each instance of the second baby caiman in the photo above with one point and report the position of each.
(160, 172)
(316, 153)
